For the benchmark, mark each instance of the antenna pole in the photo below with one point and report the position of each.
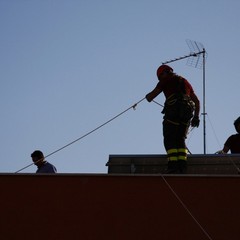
(204, 104)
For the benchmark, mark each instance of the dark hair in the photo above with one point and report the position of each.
(236, 124)
(37, 154)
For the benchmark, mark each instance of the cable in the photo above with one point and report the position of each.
(85, 135)
(214, 132)
(158, 103)
(186, 208)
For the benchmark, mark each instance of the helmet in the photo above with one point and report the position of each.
(236, 124)
(163, 68)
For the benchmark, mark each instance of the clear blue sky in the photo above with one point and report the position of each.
(68, 66)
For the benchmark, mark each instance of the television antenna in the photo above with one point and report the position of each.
(197, 59)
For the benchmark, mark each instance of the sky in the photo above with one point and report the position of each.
(69, 66)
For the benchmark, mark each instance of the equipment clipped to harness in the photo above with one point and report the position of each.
(179, 108)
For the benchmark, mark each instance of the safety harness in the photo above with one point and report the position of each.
(179, 107)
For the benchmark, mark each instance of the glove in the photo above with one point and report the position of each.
(195, 121)
(148, 97)
(219, 152)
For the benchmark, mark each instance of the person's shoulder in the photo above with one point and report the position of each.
(48, 164)
(184, 79)
(48, 168)
(174, 75)
(233, 137)
(187, 82)
(180, 78)
(237, 135)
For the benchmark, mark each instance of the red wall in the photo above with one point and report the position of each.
(69, 206)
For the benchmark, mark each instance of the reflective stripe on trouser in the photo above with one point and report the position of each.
(177, 154)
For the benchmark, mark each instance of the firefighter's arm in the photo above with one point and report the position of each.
(150, 96)
(197, 104)
(195, 120)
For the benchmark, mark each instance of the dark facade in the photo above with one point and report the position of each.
(119, 207)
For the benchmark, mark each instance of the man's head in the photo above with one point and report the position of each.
(163, 71)
(37, 157)
(237, 124)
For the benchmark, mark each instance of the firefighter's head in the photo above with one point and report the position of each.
(237, 124)
(164, 70)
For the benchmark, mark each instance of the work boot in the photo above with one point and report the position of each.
(172, 167)
(182, 166)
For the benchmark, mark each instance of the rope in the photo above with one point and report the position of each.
(85, 135)
(214, 132)
(186, 208)
(158, 103)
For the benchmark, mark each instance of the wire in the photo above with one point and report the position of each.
(85, 135)
(186, 208)
(214, 132)
(158, 103)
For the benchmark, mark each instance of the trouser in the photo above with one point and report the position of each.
(174, 142)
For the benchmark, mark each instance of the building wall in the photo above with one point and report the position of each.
(114, 207)
(224, 164)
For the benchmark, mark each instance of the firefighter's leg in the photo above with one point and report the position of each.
(182, 150)
(170, 143)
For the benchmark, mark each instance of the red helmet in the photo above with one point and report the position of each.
(162, 69)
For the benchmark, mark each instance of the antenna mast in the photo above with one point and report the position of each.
(197, 59)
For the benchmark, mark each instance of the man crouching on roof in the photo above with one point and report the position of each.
(43, 166)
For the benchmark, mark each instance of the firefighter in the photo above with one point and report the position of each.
(233, 142)
(181, 109)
